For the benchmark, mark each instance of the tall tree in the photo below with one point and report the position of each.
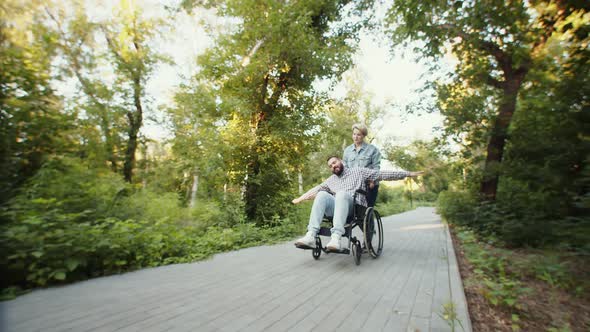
(117, 104)
(128, 36)
(496, 44)
(263, 72)
(78, 42)
(33, 125)
(197, 145)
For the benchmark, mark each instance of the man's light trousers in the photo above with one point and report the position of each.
(339, 207)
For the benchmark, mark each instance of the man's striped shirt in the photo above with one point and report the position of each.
(352, 179)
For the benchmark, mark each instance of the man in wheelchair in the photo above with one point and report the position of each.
(334, 198)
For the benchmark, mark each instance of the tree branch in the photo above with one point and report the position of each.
(504, 60)
(68, 49)
(112, 46)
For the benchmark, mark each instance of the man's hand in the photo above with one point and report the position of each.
(296, 201)
(415, 174)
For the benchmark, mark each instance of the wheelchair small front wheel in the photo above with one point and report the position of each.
(356, 252)
(317, 251)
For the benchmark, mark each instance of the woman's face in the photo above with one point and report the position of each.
(357, 136)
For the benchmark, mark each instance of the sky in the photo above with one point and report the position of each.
(391, 79)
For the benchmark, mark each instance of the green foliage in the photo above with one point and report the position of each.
(424, 156)
(56, 248)
(67, 185)
(395, 200)
(496, 102)
(149, 206)
(257, 81)
(113, 104)
(456, 206)
(32, 122)
(55, 231)
(520, 220)
(542, 192)
(449, 315)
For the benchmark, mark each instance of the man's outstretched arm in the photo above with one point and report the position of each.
(308, 195)
(394, 175)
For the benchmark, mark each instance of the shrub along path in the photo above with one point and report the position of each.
(413, 286)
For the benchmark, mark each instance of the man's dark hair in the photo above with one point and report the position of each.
(332, 156)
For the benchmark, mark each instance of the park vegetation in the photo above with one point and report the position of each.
(516, 147)
(84, 192)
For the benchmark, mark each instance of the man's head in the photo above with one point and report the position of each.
(335, 165)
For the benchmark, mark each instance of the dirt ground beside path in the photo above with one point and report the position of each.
(543, 308)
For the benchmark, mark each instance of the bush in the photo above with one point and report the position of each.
(70, 223)
(421, 198)
(69, 186)
(149, 206)
(516, 227)
(456, 206)
(518, 222)
(398, 199)
(54, 249)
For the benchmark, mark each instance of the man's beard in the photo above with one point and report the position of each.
(338, 170)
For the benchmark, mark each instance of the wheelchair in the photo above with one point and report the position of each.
(365, 218)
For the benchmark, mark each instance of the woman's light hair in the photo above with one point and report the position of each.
(360, 127)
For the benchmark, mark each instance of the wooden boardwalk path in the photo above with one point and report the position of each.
(268, 288)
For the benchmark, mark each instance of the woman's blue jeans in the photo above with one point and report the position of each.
(339, 207)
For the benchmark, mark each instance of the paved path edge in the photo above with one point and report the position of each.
(456, 283)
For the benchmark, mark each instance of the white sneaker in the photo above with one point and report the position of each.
(308, 241)
(334, 243)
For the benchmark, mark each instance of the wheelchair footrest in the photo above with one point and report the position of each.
(341, 251)
(302, 246)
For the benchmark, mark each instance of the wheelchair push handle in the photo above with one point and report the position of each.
(362, 191)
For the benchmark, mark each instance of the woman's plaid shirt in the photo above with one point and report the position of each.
(352, 179)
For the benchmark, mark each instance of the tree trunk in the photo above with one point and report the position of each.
(262, 115)
(495, 149)
(146, 168)
(135, 121)
(129, 163)
(252, 186)
(194, 189)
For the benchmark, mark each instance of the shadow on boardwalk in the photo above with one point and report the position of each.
(272, 288)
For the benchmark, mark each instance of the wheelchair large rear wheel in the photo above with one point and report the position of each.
(373, 232)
